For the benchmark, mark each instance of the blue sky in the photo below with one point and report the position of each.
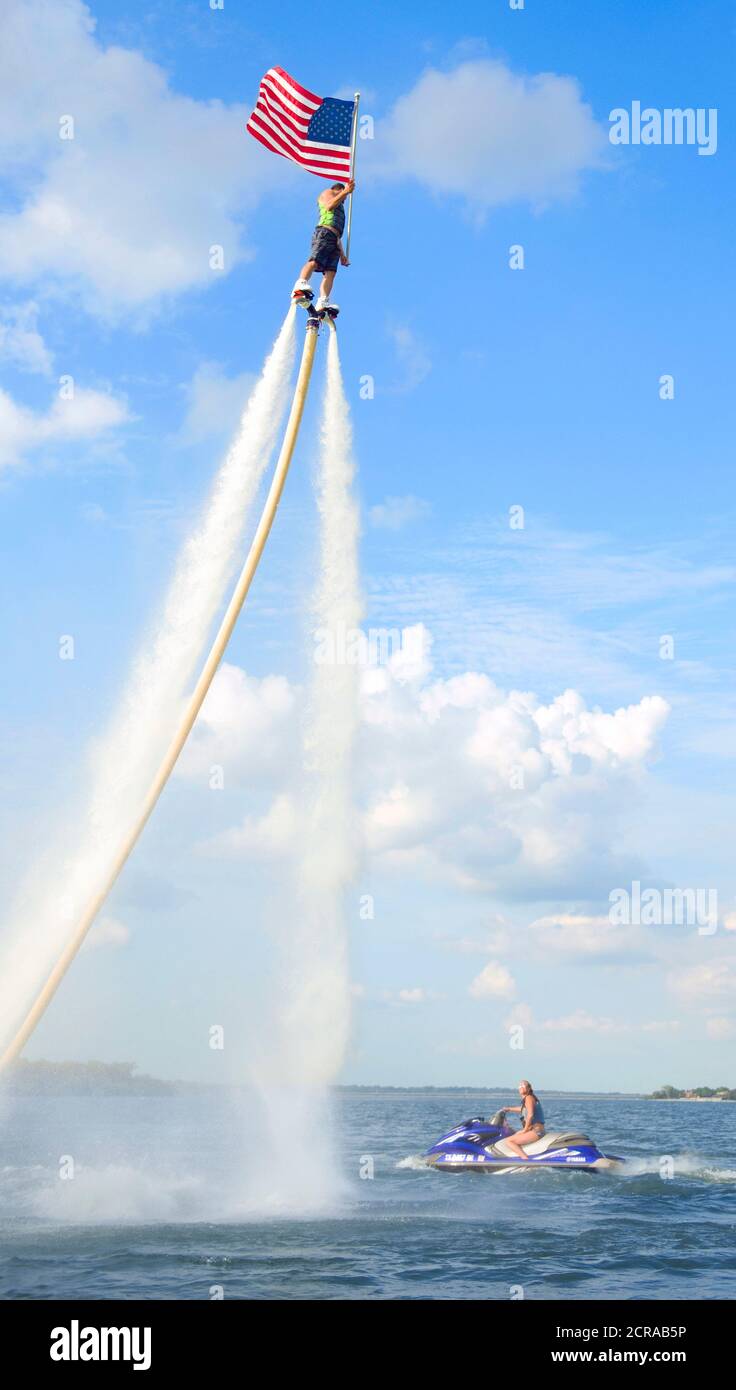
(493, 388)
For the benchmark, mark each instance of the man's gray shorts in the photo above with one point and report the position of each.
(324, 249)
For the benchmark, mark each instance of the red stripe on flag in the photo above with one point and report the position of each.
(302, 112)
(262, 138)
(291, 82)
(315, 163)
(264, 103)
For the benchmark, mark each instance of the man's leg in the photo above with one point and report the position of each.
(308, 270)
(328, 280)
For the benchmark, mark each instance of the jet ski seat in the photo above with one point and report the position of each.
(540, 1146)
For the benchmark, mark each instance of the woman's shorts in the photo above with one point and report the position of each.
(324, 249)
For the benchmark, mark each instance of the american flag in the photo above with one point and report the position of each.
(313, 131)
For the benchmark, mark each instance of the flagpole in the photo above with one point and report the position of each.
(353, 142)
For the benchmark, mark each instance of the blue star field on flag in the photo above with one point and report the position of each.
(332, 124)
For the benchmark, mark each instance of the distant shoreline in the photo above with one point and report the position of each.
(44, 1078)
(708, 1093)
(700, 1100)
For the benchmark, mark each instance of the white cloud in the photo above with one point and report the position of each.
(582, 1021)
(721, 1029)
(436, 789)
(497, 939)
(500, 791)
(394, 512)
(412, 662)
(259, 837)
(400, 819)
(573, 934)
(712, 980)
(246, 726)
(521, 1013)
(469, 691)
(20, 341)
(491, 136)
(624, 736)
(409, 995)
(108, 931)
(86, 416)
(493, 982)
(214, 403)
(127, 210)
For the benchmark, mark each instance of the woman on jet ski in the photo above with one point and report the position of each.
(532, 1118)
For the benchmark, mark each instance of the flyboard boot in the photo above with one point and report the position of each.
(302, 293)
(325, 309)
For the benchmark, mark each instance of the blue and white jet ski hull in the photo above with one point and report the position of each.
(481, 1146)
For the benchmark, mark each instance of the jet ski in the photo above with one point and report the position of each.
(481, 1146)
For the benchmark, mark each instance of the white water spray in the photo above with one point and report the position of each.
(122, 763)
(316, 1018)
(314, 1011)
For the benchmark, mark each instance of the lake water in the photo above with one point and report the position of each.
(187, 1196)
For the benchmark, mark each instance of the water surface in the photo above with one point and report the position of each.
(176, 1197)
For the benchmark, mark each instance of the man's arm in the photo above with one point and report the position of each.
(330, 200)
